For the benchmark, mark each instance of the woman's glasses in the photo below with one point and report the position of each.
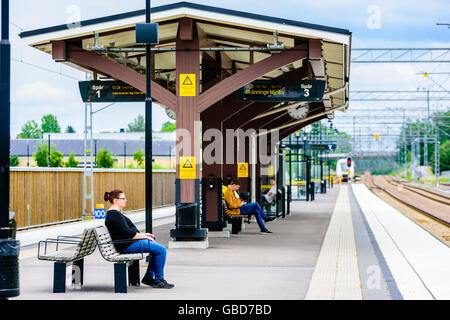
(122, 198)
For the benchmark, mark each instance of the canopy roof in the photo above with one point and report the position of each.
(216, 27)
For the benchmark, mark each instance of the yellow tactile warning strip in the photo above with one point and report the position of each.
(336, 274)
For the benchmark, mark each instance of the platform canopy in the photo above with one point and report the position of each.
(218, 29)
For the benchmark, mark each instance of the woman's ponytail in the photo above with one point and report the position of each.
(110, 196)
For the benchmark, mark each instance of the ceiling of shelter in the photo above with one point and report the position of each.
(213, 34)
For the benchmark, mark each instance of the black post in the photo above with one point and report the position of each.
(48, 156)
(28, 155)
(5, 121)
(124, 155)
(290, 166)
(148, 133)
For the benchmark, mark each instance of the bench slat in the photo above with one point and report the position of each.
(232, 216)
(108, 250)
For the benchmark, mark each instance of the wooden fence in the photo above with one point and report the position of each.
(40, 196)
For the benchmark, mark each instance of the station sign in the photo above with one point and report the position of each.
(109, 91)
(289, 90)
(326, 146)
(315, 146)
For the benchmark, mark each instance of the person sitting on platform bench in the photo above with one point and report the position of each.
(236, 206)
(120, 227)
(270, 196)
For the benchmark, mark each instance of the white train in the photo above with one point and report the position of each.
(345, 169)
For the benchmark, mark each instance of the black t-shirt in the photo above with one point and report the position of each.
(120, 227)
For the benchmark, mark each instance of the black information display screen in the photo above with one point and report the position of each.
(289, 90)
(109, 91)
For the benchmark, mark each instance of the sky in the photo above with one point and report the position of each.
(41, 86)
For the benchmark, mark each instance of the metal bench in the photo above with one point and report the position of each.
(79, 247)
(234, 219)
(121, 261)
(270, 208)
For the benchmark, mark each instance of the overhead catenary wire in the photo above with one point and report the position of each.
(45, 69)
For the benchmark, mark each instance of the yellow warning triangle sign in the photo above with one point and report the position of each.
(187, 164)
(243, 170)
(187, 81)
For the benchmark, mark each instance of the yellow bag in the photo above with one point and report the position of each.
(224, 189)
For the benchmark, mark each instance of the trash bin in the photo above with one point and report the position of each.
(9, 268)
(187, 216)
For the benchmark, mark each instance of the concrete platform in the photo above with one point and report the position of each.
(419, 262)
(203, 244)
(245, 266)
(219, 234)
(347, 244)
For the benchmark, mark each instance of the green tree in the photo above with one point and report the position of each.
(13, 160)
(70, 129)
(49, 124)
(56, 158)
(138, 124)
(444, 153)
(41, 156)
(418, 129)
(104, 159)
(30, 130)
(168, 127)
(138, 156)
(71, 162)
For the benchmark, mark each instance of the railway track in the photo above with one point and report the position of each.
(421, 191)
(432, 215)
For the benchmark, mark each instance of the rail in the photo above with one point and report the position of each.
(412, 206)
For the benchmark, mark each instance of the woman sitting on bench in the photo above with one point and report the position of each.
(120, 227)
(236, 206)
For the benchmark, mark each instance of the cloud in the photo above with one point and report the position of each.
(404, 24)
(38, 92)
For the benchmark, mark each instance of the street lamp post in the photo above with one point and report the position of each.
(147, 33)
(9, 247)
(148, 133)
(5, 122)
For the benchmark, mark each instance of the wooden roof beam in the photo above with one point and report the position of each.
(103, 65)
(253, 72)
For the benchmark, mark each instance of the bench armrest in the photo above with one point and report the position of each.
(70, 237)
(57, 241)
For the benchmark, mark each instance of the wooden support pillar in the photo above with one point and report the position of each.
(188, 136)
(188, 118)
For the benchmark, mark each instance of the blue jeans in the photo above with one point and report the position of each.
(157, 261)
(254, 208)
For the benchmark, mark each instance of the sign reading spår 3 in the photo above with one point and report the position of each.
(289, 90)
